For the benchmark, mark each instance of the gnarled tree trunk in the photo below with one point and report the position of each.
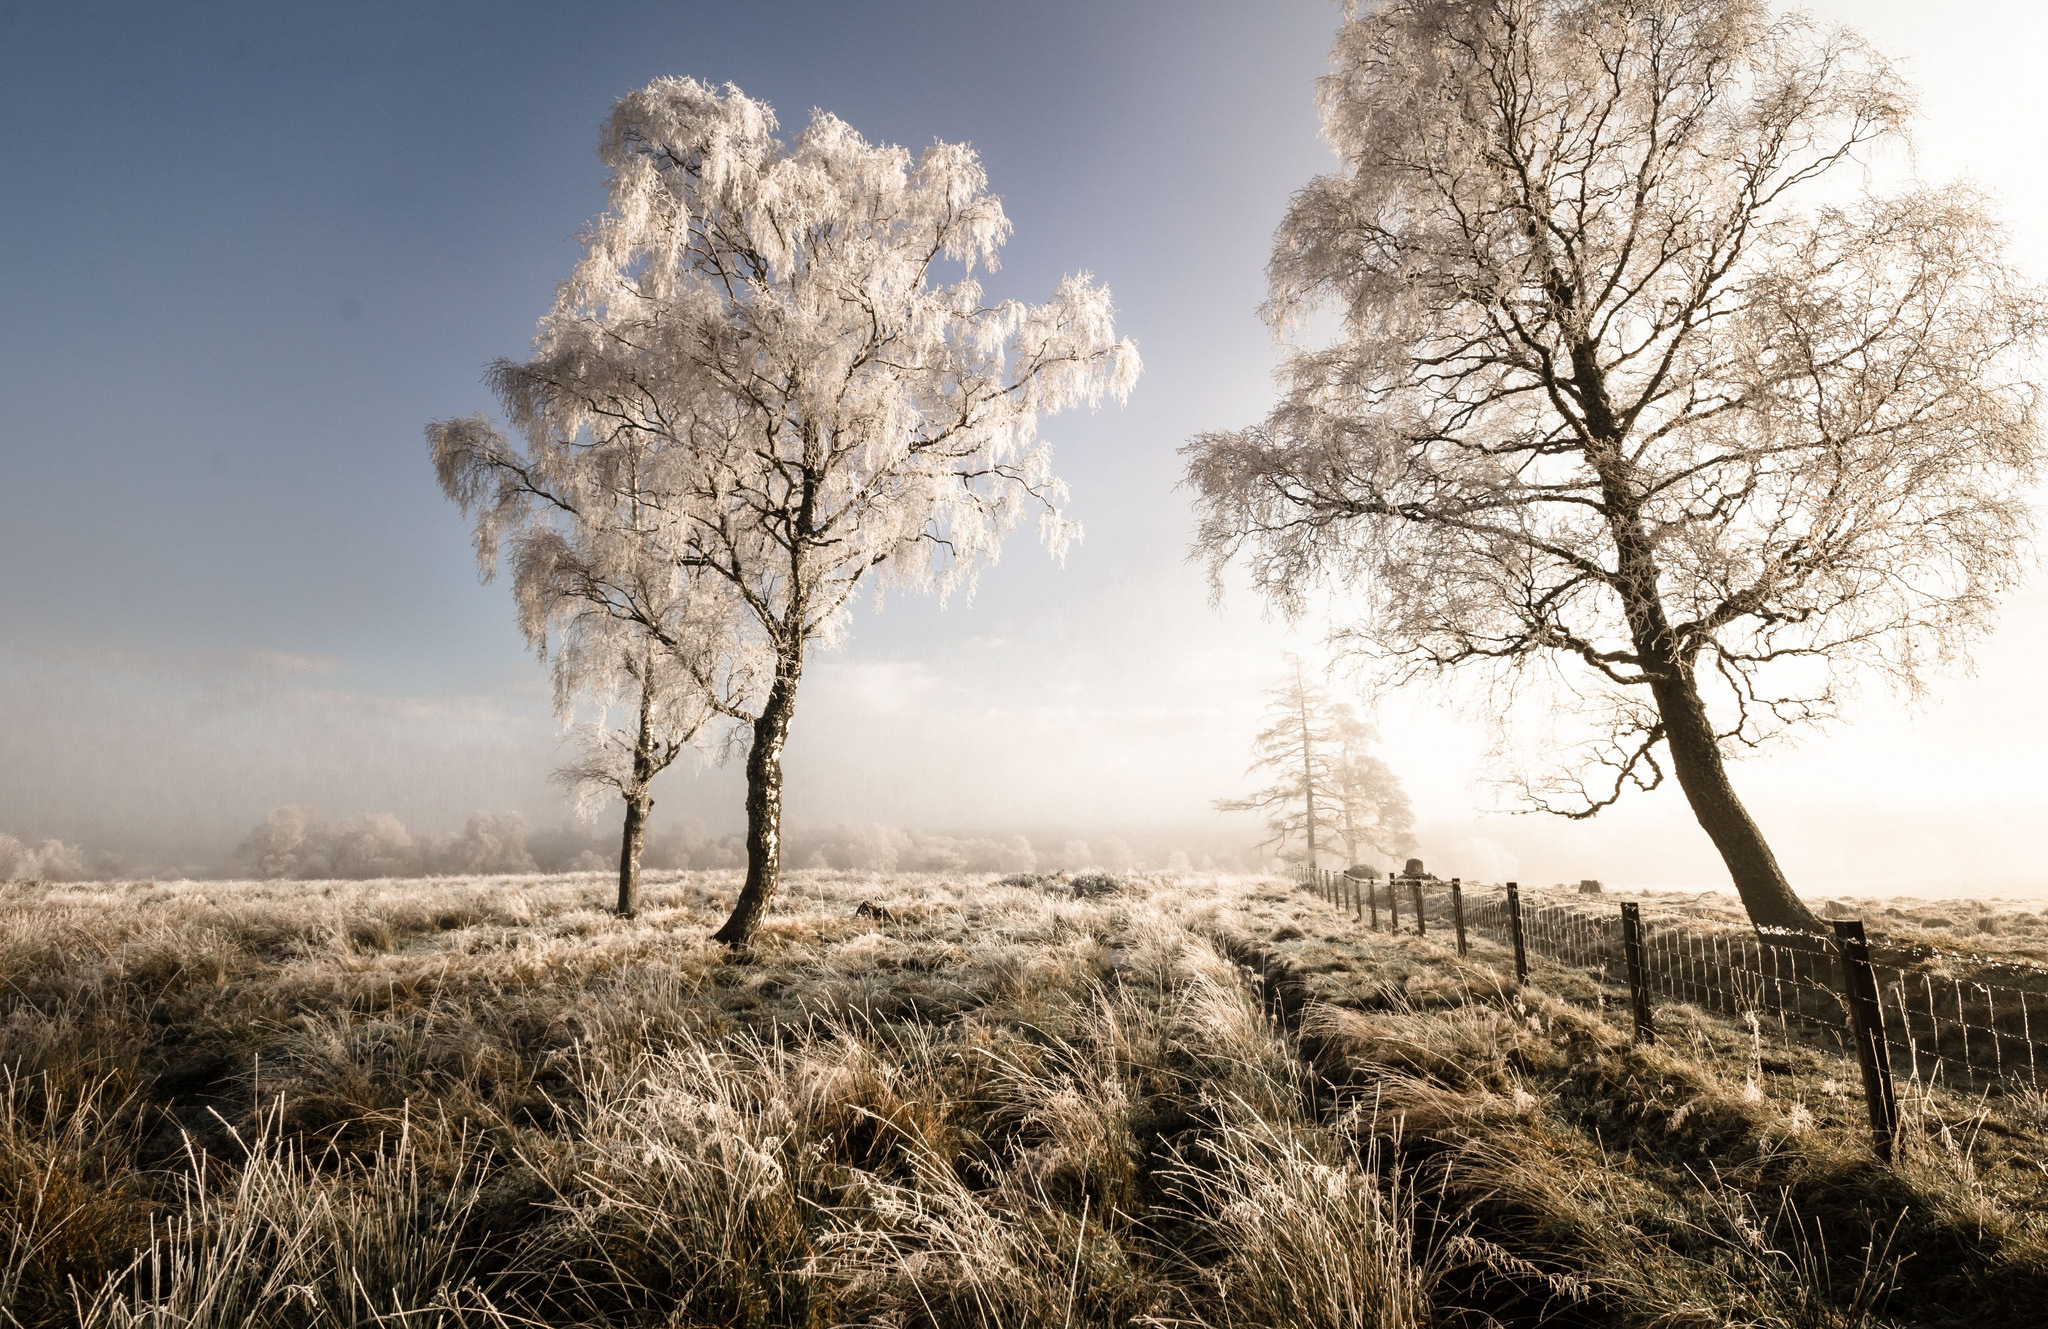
(1696, 761)
(1668, 665)
(764, 806)
(1688, 731)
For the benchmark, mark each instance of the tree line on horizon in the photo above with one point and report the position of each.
(293, 843)
(1609, 394)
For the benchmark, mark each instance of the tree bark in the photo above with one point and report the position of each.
(637, 808)
(764, 807)
(1696, 760)
(1688, 731)
(638, 801)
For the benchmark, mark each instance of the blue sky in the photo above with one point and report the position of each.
(247, 251)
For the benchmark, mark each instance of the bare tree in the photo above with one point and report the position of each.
(1634, 383)
(819, 412)
(1325, 782)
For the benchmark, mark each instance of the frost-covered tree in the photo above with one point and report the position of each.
(277, 845)
(1638, 392)
(1325, 784)
(487, 844)
(1373, 811)
(51, 860)
(292, 842)
(600, 580)
(794, 333)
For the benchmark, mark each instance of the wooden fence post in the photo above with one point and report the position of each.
(1393, 905)
(1866, 1023)
(1515, 927)
(1421, 923)
(1638, 980)
(1372, 898)
(1458, 911)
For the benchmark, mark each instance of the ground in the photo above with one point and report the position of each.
(1154, 1099)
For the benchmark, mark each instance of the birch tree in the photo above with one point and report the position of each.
(598, 593)
(1640, 400)
(829, 405)
(1324, 783)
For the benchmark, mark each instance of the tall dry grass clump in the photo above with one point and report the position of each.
(1298, 1230)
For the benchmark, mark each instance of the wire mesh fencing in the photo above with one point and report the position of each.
(1964, 1021)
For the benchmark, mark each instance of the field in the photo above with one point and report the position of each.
(1149, 1100)
(2006, 930)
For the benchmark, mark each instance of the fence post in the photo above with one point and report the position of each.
(1421, 923)
(1458, 911)
(1638, 981)
(1515, 927)
(1393, 905)
(1866, 1022)
(1372, 898)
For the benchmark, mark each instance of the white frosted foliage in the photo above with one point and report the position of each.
(1624, 409)
(777, 374)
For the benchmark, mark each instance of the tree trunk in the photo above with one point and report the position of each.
(638, 801)
(1348, 802)
(764, 807)
(637, 808)
(1688, 732)
(1696, 760)
(1308, 772)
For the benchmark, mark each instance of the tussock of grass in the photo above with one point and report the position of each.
(1152, 1101)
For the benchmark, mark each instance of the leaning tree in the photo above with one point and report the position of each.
(1638, 391)
(795, 333)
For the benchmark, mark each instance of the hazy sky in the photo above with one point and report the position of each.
(248, 251)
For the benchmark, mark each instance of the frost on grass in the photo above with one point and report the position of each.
(490, 1101)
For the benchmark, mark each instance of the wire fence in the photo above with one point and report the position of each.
(1983, 1030)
